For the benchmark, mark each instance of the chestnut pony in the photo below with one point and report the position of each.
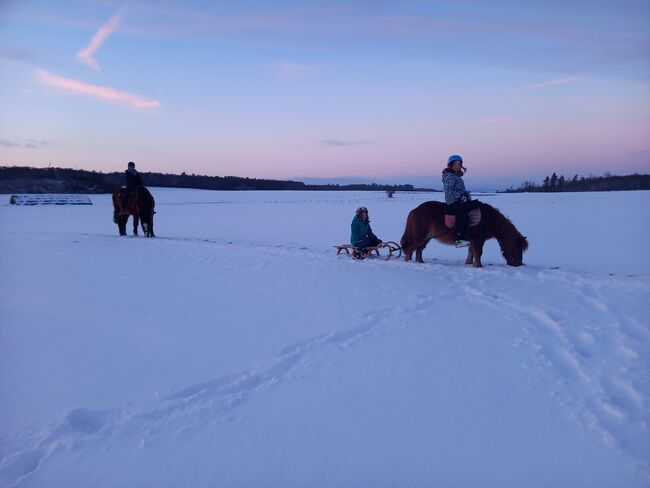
(427, 222)
(140, 205)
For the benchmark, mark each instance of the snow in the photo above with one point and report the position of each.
(236, 349)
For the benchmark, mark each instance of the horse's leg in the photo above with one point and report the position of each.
(418, 254)
(408, 255)
(146, 229)
(136, 222)
(470, 254)
(121, 224)
(477, 247)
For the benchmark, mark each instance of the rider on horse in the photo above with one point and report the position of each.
(133, 180)
(456, 197)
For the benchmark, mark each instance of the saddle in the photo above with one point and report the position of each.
(125, 193)
(473, 218)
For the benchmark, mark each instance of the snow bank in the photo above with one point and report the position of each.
(49, 199)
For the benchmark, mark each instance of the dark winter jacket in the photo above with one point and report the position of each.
(133, 179)
(360, 229)
(454, 187)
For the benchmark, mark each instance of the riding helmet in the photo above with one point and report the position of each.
(452, 158)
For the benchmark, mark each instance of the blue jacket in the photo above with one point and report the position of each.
(454, 187)
(360, 229)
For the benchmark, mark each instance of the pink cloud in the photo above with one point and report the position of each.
(85, 56)
(104, 93)
(553, 82)
(291, 71)
(495, 120)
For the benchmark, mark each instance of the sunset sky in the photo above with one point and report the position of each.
(360, 89)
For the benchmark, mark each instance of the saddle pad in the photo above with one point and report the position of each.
(474, 218)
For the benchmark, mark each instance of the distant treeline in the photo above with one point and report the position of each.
(607, 182)
(22, 179)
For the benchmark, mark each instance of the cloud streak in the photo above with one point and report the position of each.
(85, 56)
(28, 143)
(103, 93)
(294, 71)
(341, 142)
(553, 82)
(494, 120)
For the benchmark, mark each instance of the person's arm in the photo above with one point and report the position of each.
(372, 235)
(355, 231)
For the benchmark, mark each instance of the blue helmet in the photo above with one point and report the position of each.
(452, 158)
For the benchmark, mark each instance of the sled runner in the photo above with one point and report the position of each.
(388, 250)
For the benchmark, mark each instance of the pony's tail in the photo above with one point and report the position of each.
(405, 241)
(115, 216)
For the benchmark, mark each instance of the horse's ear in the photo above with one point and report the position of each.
(524, 243)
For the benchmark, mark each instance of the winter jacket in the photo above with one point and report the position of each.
(360, 229)
(133, 179)
(454, 187)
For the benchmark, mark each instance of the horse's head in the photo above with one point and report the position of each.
(514, 252)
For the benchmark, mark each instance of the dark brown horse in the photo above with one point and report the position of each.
(427, 222)
(140, 205)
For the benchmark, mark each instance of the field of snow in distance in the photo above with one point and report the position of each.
(236, 349)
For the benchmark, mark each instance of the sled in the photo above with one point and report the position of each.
(387, 250)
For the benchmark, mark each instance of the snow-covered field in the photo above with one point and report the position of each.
(236, 350)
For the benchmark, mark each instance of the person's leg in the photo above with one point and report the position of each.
(462, 232)
(456, 210)
(361, 244)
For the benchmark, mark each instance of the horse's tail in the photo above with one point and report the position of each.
(146, 205)
(145, 201)
(115, 205)
(406, 240)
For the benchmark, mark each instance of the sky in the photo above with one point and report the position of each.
(350, 90)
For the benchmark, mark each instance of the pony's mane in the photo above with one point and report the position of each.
(506, 232)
